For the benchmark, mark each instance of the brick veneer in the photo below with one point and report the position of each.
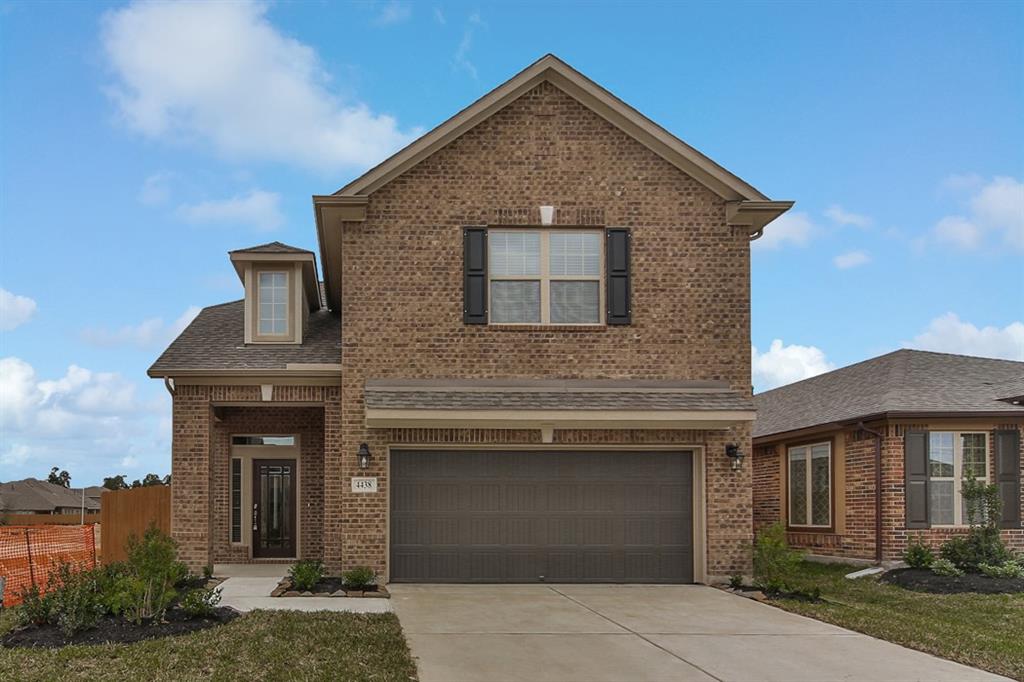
(402, 311)
(857, 539)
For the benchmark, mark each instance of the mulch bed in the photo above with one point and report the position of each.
(923, 580)
(329, 587)
(117, 630)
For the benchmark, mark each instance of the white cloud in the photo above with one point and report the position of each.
(996, 208)
(851, 259)
(84, 421)
(220, 73)
(966, 182)
(14, 310)
(949, 334)
(393, 12)
(461, 59)
(148, 334)
(782, 365)
(439, 16)
(258, 209)
(843, 217)
(790, 228)
(155, 189)
(129, 462)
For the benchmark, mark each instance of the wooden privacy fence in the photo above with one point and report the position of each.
(48, 519)
(124, 513)
(29, 554)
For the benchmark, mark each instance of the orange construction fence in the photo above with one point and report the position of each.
(28, 554)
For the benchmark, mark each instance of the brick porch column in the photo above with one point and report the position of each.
(191, 513)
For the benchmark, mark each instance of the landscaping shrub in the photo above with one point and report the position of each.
(358, 578)
(208, 571)
(35, 607)
(775, 564)
(306, 574)
(146, 587)
(736, 581)
(1007, 570)
(200, 602)
(76, 604)
(982, 544)
(945, 567)
(918, 554)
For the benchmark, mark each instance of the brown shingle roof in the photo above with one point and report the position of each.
(552, 395)
(33, 495)
(272, 247)
(905, 381)
(216, 341)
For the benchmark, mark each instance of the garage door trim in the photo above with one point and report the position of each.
(699, 536)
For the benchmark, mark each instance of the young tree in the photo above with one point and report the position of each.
(59, 477)
(115, 482)
(151, 479)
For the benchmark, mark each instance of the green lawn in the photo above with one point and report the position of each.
(262, 645)
(979, 630)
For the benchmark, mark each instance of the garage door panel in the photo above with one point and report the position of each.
(527, 516)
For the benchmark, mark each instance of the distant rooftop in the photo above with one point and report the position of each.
(901, 382)
(33, 495)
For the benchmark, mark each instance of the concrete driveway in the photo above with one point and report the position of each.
(599, 633)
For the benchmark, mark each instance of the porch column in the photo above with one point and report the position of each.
(334, 480)
(191, 513)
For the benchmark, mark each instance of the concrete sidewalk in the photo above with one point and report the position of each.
(539, 633)
(250, 593)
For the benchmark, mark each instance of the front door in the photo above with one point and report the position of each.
(273, 507)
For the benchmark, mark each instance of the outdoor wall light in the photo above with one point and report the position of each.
(364, 456)
(733, 452)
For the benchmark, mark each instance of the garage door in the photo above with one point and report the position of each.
(526, 517)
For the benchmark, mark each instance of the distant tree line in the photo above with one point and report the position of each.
(62, 478)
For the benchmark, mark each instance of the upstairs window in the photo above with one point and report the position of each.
(273, 304)
(545, 276)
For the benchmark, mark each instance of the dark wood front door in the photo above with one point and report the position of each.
(273, 507)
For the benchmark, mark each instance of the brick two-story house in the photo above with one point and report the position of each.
(529, 360)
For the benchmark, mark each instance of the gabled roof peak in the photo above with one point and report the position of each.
(272, 247)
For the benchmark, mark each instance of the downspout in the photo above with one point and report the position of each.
(169, 385)
(878, 489)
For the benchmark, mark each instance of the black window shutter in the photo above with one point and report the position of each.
(617, 295)
(474, 280)
(915, 460)
(1008, 475)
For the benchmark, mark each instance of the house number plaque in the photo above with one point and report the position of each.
(364, 484)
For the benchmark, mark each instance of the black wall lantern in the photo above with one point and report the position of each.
(364, 456)
(733, 452)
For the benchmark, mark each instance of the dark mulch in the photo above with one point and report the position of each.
(114, 629)
(923, 580)
(330, 584)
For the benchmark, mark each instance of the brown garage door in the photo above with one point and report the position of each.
(514, 517)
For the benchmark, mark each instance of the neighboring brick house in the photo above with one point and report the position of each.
(529, 360)
(32, 496)
(857, 460)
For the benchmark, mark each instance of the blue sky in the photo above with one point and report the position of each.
(141, 142)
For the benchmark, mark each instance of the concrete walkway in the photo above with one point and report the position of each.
(611, 633)
(245, 593)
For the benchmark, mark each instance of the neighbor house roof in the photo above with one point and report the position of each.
(214, 343)
(33, 495)
(746, 206)
(901, 383)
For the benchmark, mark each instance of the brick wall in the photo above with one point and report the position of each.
(402, 293)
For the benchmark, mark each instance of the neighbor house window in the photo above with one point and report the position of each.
(952, 457)
(810, 485)
(545, 276)
(236, 500)
(273, 303)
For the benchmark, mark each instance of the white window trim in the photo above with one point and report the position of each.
(545, 278)
(287, 305)
(958, 476)
(807, 447)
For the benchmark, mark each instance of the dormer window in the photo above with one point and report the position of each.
(281, 290)
(273, 303)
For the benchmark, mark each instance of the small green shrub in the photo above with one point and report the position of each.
(35, 607)
(1007, 570)
(306, 574)
(981, 545)
(208, 571)
(75, 602)
(358, 578)
(146, 587)
(200, 602)
(945, 567)
(736, 581)
(918, 554)
(775, 564)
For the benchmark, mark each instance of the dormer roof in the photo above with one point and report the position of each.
(280, 252)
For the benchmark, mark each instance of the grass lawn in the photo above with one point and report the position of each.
(979, 630)
(262, 645)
